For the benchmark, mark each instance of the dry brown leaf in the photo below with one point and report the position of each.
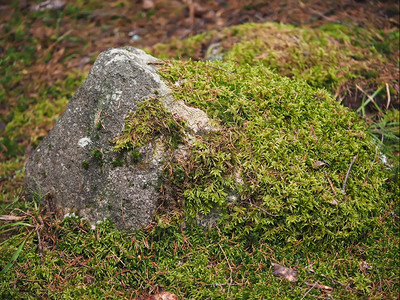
(284, 273)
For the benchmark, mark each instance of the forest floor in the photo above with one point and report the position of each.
(45, 55)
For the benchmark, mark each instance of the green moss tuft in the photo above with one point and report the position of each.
(135, 156)
(85, 165)
(151, 120)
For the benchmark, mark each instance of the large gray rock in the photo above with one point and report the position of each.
(65, 166)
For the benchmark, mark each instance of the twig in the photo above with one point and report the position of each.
(348, 173)
(388, 96)
(309, 290)
(50, 48)
(191, 13)
(330, 183)
(346, 286)
(37, 230)
(230, 269)
(221, 69)
(369, 97)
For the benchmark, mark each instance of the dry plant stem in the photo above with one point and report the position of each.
(388, 96)
(40, 246)
(348, 173)
(330, 183)
(230, 269)
(369, 97)
(346, 286)
(309, 290)
(320, 14)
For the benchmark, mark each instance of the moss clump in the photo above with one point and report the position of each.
(85, 165)
(135, 156)
(151, 120)
(97, 154)
(274, 131)
(117, 163)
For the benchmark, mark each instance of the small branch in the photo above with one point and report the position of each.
(37, 230)
(346, 286)
(320, 14)
(330, 183)
(348, 173)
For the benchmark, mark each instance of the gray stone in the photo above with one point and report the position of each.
(74, 162)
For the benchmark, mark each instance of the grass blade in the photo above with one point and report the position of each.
(14, 257)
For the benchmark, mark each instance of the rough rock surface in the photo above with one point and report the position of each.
(74, 163)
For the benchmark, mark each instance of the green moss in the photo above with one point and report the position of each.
(117, 163)
(97, 154)
(191, 47)
(99, 126)
(135, 156)
(330, 57)
(174, 257)
(151, 120)
(85, 165)
(275, 129)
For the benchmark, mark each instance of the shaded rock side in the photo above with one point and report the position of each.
(75, 163)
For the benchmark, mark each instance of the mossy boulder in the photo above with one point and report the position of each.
(290, 164)
(280, 160)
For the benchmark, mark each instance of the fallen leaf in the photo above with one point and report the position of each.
(285, 273)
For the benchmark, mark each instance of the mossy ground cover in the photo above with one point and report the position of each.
(273, 172)
(334, 56)
(286, 209)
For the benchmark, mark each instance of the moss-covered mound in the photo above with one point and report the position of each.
(289, 164)
(336, 57)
